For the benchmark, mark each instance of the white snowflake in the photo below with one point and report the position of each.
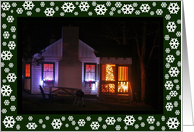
(47, 118)
(175, 104)
(177, 112)
(129, 120)
(136, 126)
(12, 98)
(84, 6)
(171, 26)
(68, 7)
(6, 90)
(18, 127)
(30, 118)
(37, 9)
(42, 4)
(178, 52)
(167, 17)
(4, 26)
(76, 128)
(176, 80)
(163, 118)
(81, 122)
(177, 87)
(56, 123)
(135, 4)
(166, 37)
(11, 77)
(111, 13)
(100, 9)
(11, 45)
(108, 3)
(140, 118)
(40, 121)
(157, 123)
(73, 123)
(2, 64)
(145, 8)
(28, 5)
(151, 128)
(169, 85)
(154, 4)
(77, 3)
(63, 118)
(174, 43)
(173, 93)
(168, 97)
(6, 34)
(3, 15)
(113, 9)
(94, 3)
(31, 126)
(99, 119)
(5, 6)
(4, 111)
(49, 12)
(52, 3)
(119, 11)
(70, 118)
(150, 120)
(173, 123)
(9, 122)
(4, 81)
(178, 33)
(6, 70)
(76, 13)
(174, 71)
(119, 119)
(127, 9)
(95, 125)
(166, 76)
(104, 126)
(6, 55)
(180, 97)
(13, 29)
(125, 127)
(137, 12)
(19, 10)
(4, 43)
(88, 118)
(163, 128)
(14, 4)
(151, 13)
(173, 8)
(43, 126)
(90, 13)
(56, 8)
(12, 108)
(10, 19)
(12, 11)
(110, 120)
(167, 65)
(62, 14)
(14, 36)
(178, 21)
(142, 124)
(118, 127)
(6, 102)
(66, 125)
(118, 4)
(159, 11)
(163, 4)
(170, 58)
(169, 106)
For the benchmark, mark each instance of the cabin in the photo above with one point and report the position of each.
(71, 63)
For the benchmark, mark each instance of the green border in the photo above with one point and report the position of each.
(11, 121)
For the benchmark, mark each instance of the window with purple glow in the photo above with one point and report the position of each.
(48, 72)
(90, 72)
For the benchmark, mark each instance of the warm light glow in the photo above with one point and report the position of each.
(108, 88)
(109, 73)
(123, 87)
(122, 73)
(27, 70)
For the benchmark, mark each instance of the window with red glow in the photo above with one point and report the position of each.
(48, 74)
(90, 72)
(27, 70)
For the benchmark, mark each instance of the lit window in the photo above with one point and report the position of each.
(90, 72)
(48, 72)
(27, 70)
(108, 72)
(122, 79)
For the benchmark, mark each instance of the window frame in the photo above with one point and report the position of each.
(53, 70)
(85, 71)
(25, 70)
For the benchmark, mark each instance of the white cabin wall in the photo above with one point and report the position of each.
(36, 79)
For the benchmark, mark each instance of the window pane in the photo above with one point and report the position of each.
(27, 70)
(108, 72)
(108, 88)
(48, 72)
(122, 73)
(90, 73)
(122, 87)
